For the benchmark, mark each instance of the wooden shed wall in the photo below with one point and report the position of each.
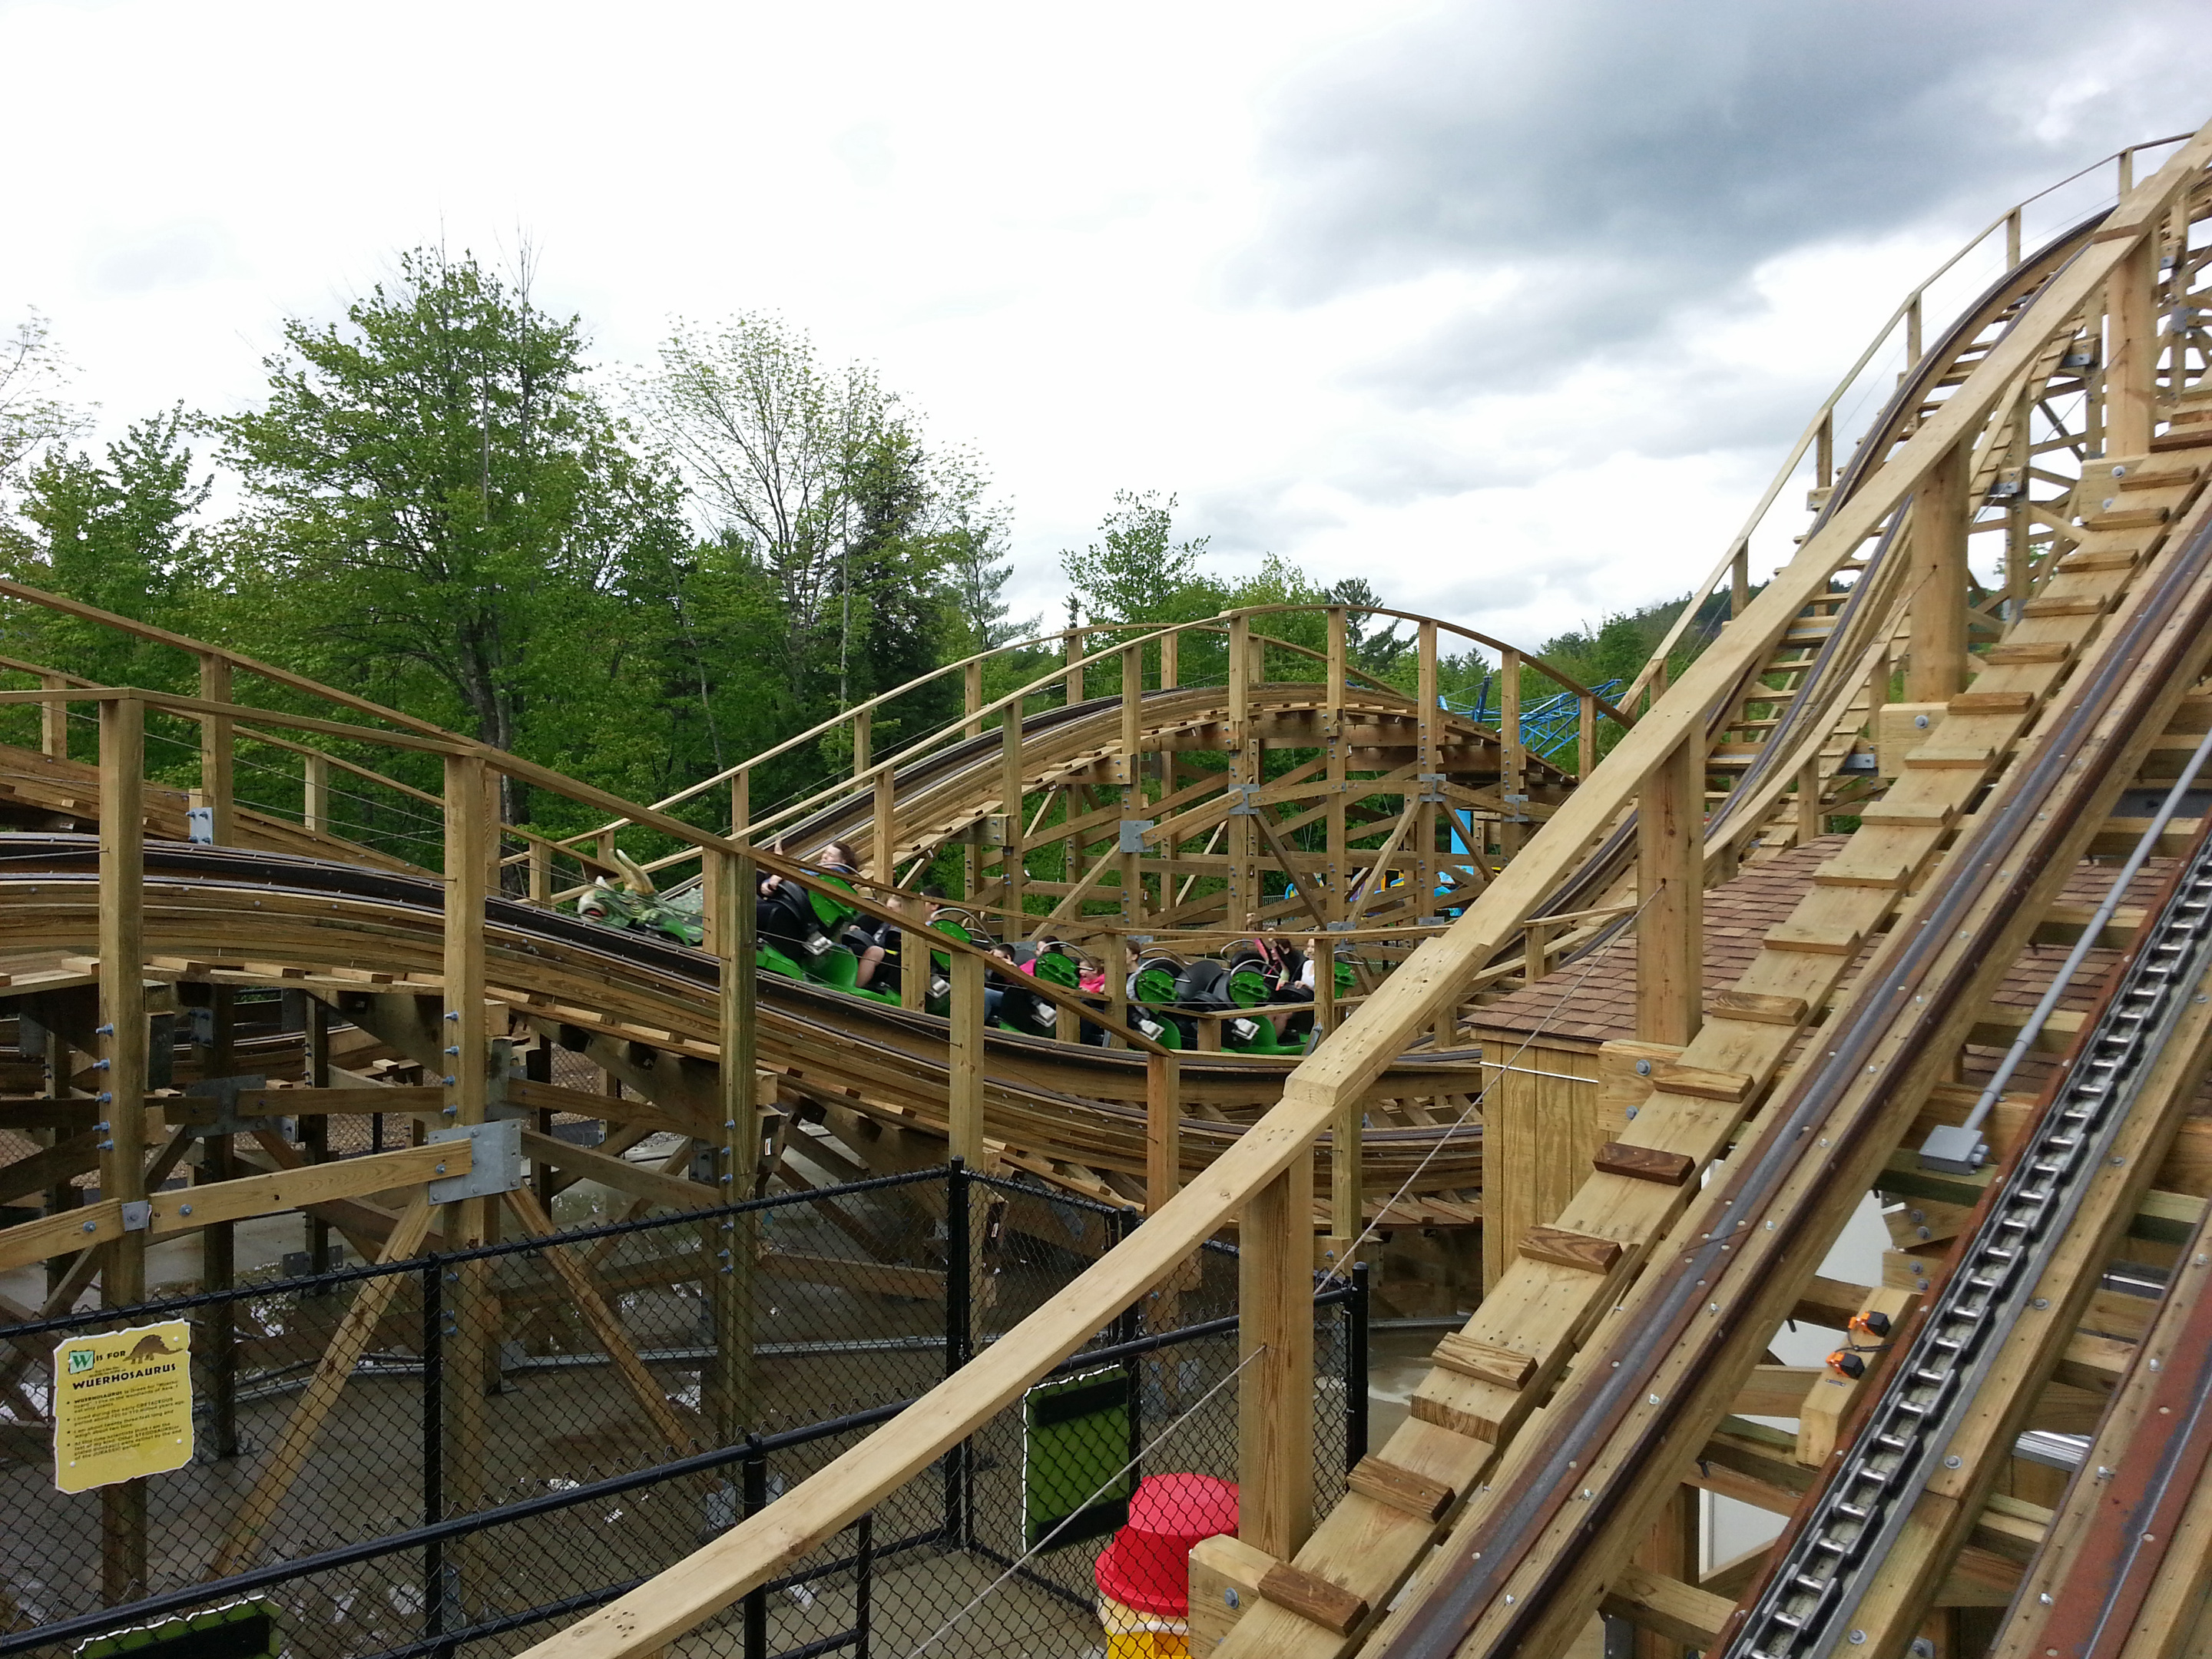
(1550, 1105)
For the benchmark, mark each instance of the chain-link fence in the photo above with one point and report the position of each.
(628, 1395)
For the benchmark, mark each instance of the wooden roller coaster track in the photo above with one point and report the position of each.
(2057, 716)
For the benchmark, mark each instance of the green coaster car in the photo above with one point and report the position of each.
(1152, 988)
(1253, 1036)
(1249, 989)
(1057, 967)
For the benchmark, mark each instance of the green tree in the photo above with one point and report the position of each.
(1378, 651)
(1136, 571)
(789, 460)
(978, 565)
(34, 413)
(442, 509)
(123, 536)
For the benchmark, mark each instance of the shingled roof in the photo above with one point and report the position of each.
(1594, 1001)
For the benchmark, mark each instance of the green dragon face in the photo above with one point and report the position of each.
(1248, 988)
(1155, 984)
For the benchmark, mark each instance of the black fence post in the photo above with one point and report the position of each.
(959, 1342)
(753, 1488)
(864, 1574)
(1355, 1368)
(1128, 1326)
(434, 1446)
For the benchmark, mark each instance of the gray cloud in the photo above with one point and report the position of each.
(1702, 137)
(1618, 163)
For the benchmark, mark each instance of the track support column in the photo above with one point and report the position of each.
(2131, 354)
(217, 751)
(1670, 890)
(1275, 1344)
(1937, 609)
(121, 1101)
(1426, 786)
(735, 1248)
(466, 1052)
(1513, 768)
(1010, 806)
(1162, 1129)
(1335, 900)
(1242, 910)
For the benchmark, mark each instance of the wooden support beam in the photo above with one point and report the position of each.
(1936, 668)
(2131, 352)
(1246, 774)
(1670, 890)
(1684, 1615)
(1513, 755)
(471, 1344)
(733, 1241)
(1162, 1129)
(122, 1038)
(295, 1441)
(53, 718)
(883, 865)
(218, 751)
(964, 1102)
(1274, 1393)
(1660, 1584)
(619, 1173)
(1011, 873)
(1420, 801)
(315, 793)
(613, 1341)
(1332, 735)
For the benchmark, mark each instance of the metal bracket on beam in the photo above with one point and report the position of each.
(1249, 807)
(225, 1091)
(1133, 835)
(494, 1168)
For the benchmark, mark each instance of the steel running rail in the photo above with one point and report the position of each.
(1814, 1590)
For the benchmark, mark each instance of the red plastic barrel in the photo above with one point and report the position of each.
(1147, 1566)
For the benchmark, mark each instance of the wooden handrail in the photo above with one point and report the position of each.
(283, 677)
(1907, 307)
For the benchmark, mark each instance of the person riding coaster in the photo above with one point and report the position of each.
(1051, 961)
(1209, 986)
(806, 933)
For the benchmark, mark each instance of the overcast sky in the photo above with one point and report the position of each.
(1509, 308)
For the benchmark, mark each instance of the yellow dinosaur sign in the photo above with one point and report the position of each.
(122, 1405)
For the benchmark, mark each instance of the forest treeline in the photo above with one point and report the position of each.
(636, 578)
